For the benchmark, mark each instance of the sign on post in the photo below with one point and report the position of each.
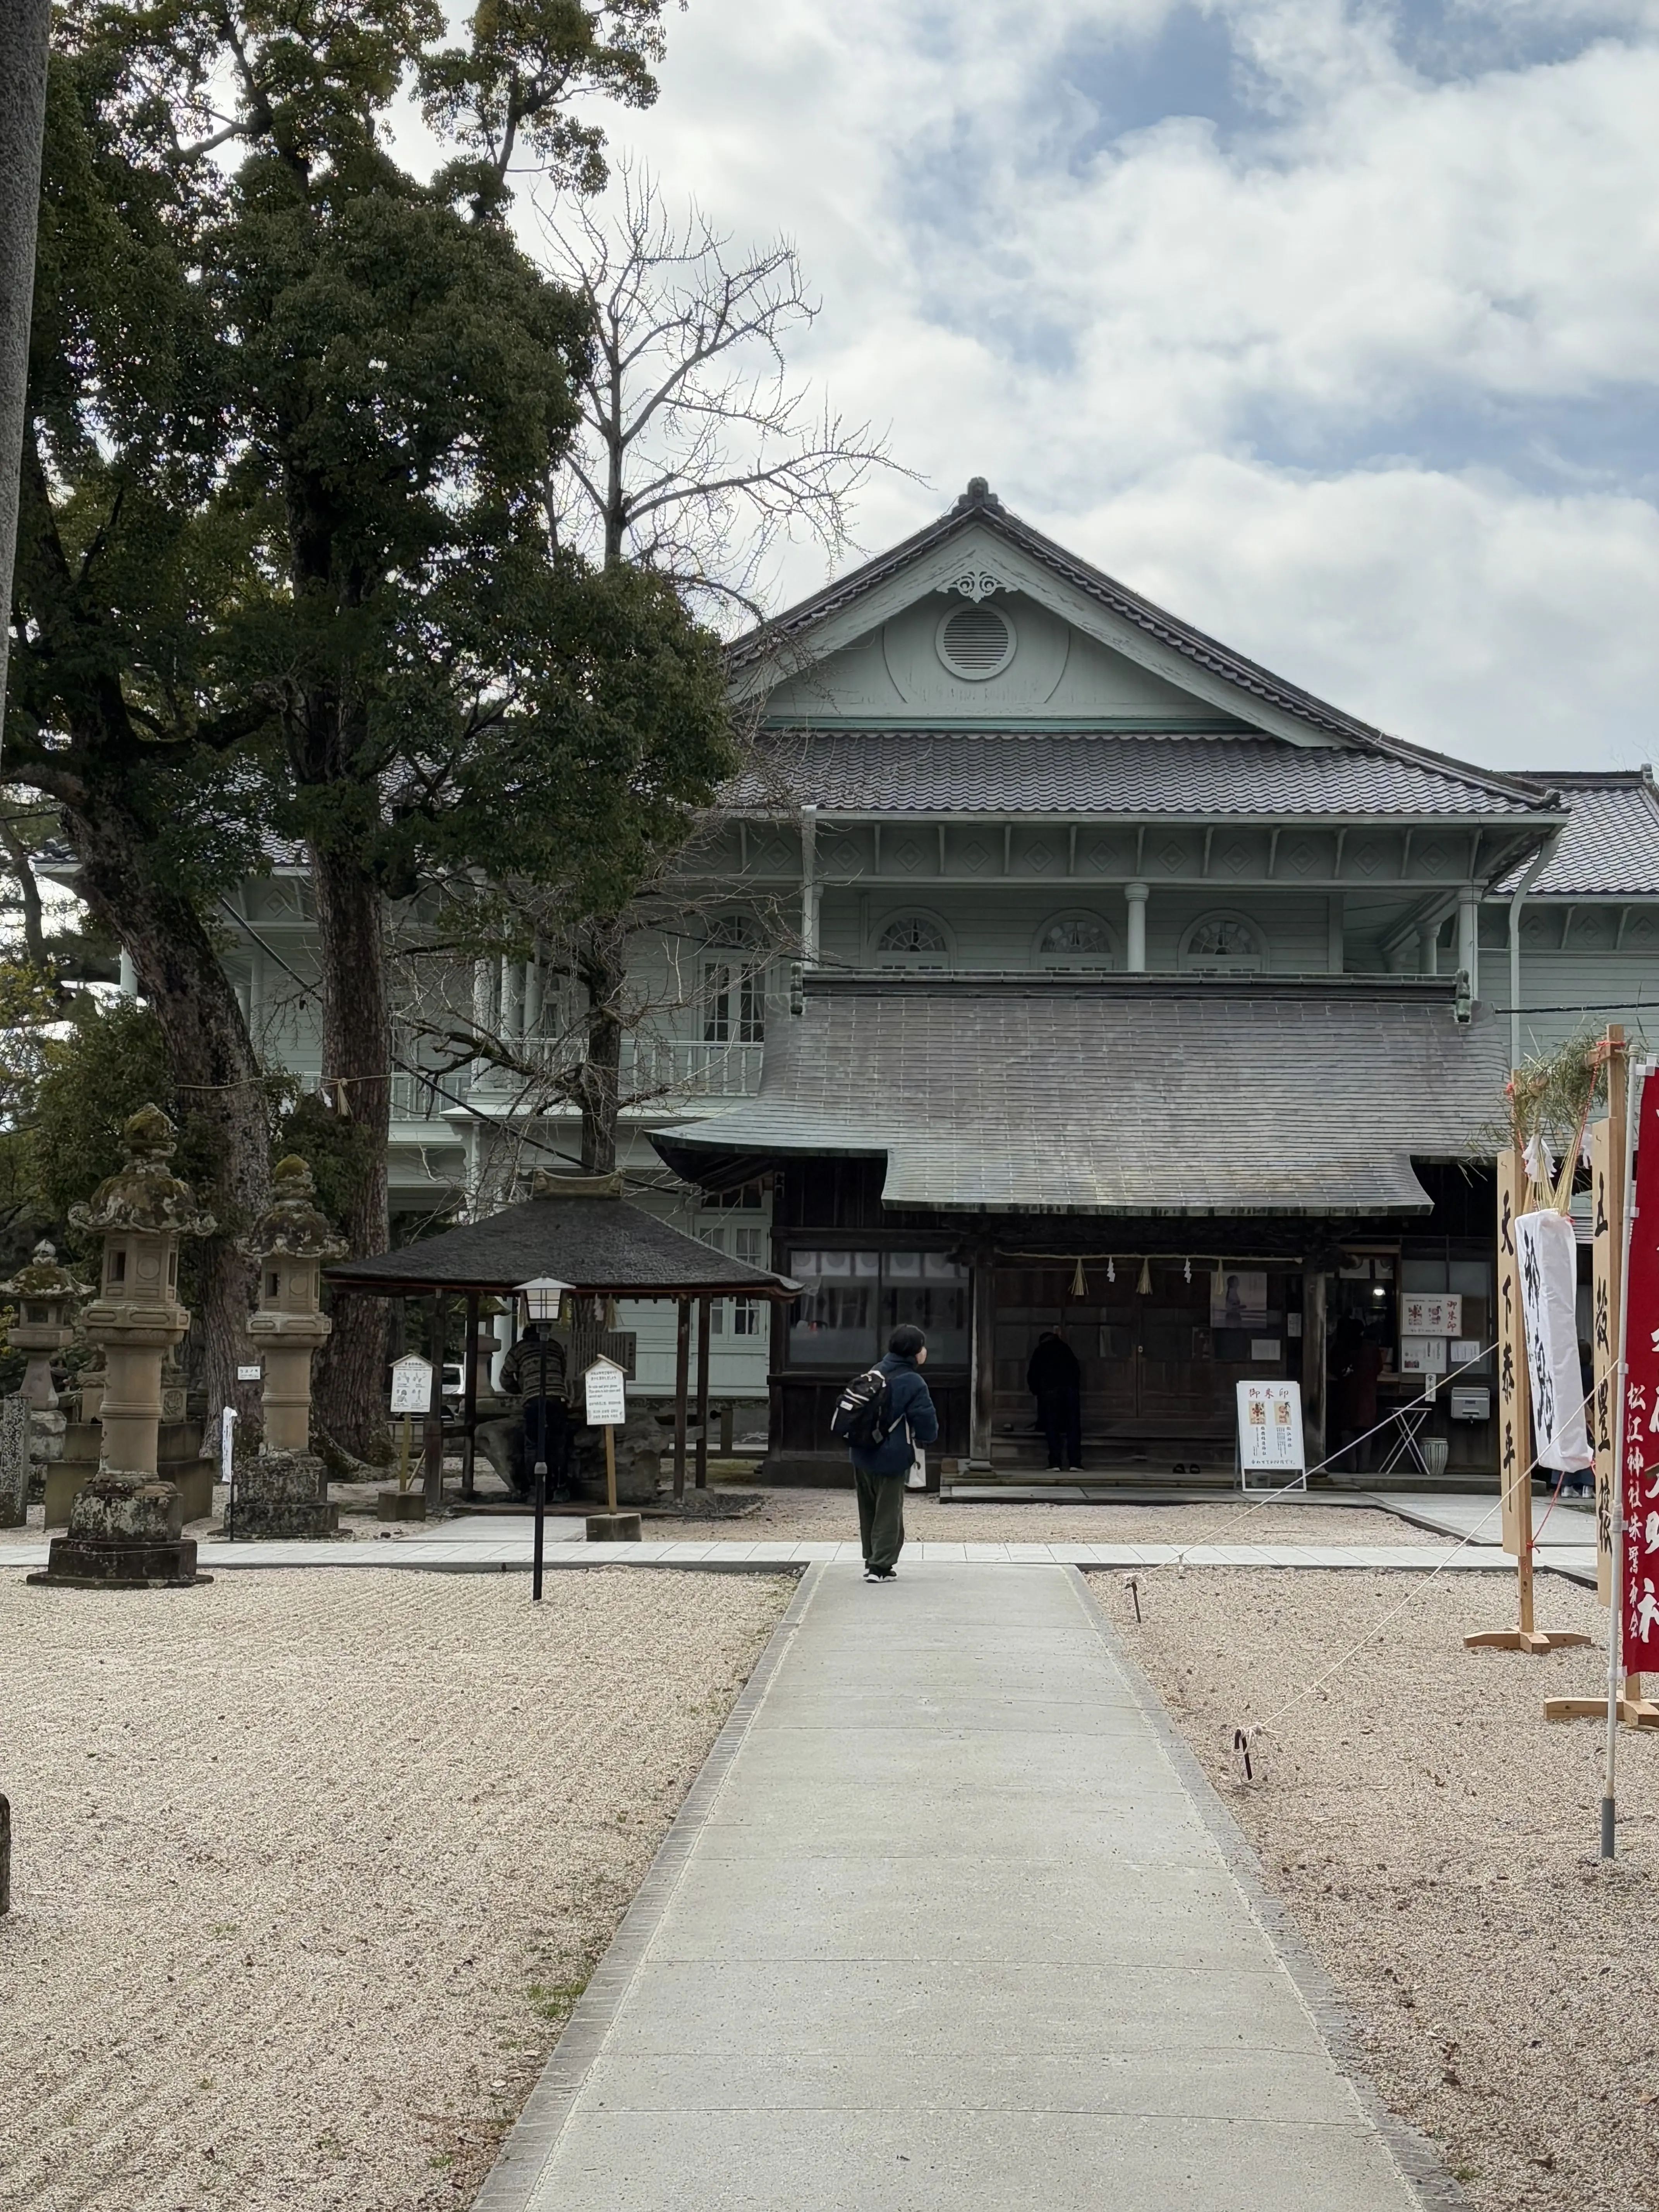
(411, 1384)
(606, 1392)
(1270, 1429)
(1641, 1400)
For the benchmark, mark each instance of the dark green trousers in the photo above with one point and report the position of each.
(881, 1517)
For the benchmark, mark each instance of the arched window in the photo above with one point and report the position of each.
(1074, 941)
(915, 941)
(1223, 945)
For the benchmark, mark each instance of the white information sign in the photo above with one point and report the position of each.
(249, 1374)
(607, 1394)
(1270, 1428)
(1423, 1355)
(411, 1384)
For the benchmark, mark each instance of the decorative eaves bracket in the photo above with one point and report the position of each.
(975, 584)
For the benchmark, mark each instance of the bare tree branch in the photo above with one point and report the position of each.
(698, 456)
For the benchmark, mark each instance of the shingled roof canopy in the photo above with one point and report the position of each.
(1128, 1095)
(601, 1246)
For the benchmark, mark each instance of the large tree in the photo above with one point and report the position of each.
(326, 466)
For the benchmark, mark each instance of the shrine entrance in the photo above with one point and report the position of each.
(1162, 1343)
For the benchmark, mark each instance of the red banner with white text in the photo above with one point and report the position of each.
(1641, 1398)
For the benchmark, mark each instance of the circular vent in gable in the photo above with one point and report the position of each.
(977, 642)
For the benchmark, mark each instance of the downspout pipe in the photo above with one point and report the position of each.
(1545, 854)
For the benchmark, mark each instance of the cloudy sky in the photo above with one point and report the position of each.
(1331, 325)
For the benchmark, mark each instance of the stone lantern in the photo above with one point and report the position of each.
(285, 1490)
(126, 1525)
(45, 1292)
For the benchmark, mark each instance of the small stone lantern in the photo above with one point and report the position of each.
(45, 1292)
(125, 1525)
(284, 1491)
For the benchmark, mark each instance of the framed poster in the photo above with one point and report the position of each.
(1238, 1298)
(1423, 1355)
(1432, 1313)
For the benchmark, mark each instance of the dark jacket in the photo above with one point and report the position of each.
(521, 1369)
(1054, 1367)
(914, 1421)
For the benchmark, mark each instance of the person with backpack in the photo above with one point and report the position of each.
(883, 1414)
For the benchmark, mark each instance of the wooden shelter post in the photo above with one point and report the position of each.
(705, 1327)
(682, 1379)
(470, 1398)
(434, 1468)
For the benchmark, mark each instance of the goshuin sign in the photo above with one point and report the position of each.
(1270, 1429)
(1641, 1400)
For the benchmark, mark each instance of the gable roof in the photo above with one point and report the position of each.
(784, 639)
(1609, 847)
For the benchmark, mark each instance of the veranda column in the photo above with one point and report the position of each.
(283, 1490)
(125, 1527)
(1136, 893)
(1469, 936)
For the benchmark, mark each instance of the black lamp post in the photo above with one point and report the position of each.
(542, 1296)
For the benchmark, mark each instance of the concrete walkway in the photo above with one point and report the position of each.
(952, 1923)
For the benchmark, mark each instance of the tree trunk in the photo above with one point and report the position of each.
(600, 964)
(24, 25)
(212, 1059)
(350, 1393)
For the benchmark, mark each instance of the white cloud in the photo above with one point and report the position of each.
(1183, 351)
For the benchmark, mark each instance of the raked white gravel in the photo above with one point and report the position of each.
(309, 1867)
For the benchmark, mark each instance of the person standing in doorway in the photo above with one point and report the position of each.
(879, 1472)
(1055, 1380)
(1355, 1366)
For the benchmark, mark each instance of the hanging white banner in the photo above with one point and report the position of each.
(1546, 1259)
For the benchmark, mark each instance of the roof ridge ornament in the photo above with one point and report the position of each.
(978, 494)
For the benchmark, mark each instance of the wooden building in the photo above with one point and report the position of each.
(1144, 996)
(1123, 960)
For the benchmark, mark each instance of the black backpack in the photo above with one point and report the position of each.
(863, 1412)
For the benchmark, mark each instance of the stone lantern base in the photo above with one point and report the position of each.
(124, 1534)
(282, 1494)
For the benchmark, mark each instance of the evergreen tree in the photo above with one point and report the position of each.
(284, 573)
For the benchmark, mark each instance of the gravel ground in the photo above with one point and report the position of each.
(811, 1516)
(831, 1515)
(1435, 1840)
(310, 1868)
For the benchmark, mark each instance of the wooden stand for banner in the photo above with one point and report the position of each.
(1515, 1431)
(1609, 1142)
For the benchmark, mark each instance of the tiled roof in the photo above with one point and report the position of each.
(979, 506)
(1611, 843)
(1098, 772)
(1130, 1095)
(591, 1244)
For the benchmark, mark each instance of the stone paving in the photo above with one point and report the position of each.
(952, 1923)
